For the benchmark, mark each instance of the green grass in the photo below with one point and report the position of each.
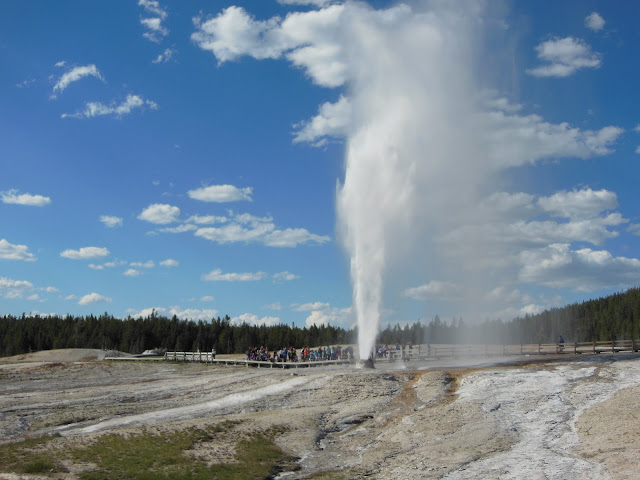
(149, 456)
(29, 456)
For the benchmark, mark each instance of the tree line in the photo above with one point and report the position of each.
(610, 318)
(135, 335)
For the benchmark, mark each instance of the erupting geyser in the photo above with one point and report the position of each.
(411, 127)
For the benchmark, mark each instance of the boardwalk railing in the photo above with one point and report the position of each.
(207, 357)
(417, 352)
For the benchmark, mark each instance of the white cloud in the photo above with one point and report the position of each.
(93, 298)
(147, 264)
(16, 198)
(14, 289)
(285, 276)
(9, 251)
(638, 149)
(594, 22)
(85, 253)
(95, 266)
(516, 140)
(217, 276)
(221, 194)
(251, 319)
(178, 311)
(206, 219)
(309, 40)
(111, 221)
(248, 228)
(169, 262)
(292, 237)
(585, 203)
(585, 269)
(160, 213)
(153, 7)
(207, 298)
(155, 30)
(50, 289)
(132, 272)
(75, 74)
(165, 56)
(637, 128)
(97, 109)
(333, 120)
(317, 3)
(185, 227)
(434, 290)
(308, 307)
(564, 56)
(330, 316)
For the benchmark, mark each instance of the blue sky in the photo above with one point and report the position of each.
(208, 159)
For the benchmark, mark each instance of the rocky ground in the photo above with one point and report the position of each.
(562, 419)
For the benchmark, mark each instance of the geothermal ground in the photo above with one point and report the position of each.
(569, 419)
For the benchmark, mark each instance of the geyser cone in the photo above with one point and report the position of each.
(368, 363)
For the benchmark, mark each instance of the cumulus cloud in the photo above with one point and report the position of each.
(147, 264)
(185, 227)
(250, 228)
(165, 56)
(111, 221)
(74, 75)
(332, 121)
(327, 315)
(309, 40)
(98, 109)
(93, 298)
(132, 272)
(317, 3)
(156, 32)
(206, 219)
(16, 198)
(584, 203)
(251, 319)
(221, 194)
(9, 251)
(160, 213)
(207, 298)
(594, 22)
(564, 56)
(177, 310)
(284, 276)
(308, 307)
(515, 140)
(585, 269)
(217, 276)
(14, 289)
(169, 262)
(85, 253)
(434, 290)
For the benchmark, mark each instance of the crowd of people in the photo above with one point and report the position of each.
(385, 351)
(305, 354)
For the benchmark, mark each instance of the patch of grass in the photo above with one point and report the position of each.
(149, 456)
(29, 456)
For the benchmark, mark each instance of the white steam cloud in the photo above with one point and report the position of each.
(425, 140)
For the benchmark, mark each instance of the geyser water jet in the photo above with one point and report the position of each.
(412, 109)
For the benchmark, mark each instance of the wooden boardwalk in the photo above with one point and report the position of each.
(416, 353)
(205, 357)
